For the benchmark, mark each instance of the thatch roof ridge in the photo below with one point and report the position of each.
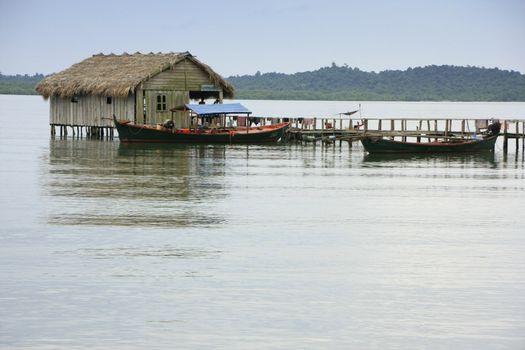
(118, 75)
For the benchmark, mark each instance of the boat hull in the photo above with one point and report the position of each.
(129, 132)
(380, 145)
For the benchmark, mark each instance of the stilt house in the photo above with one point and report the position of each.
(138, 87)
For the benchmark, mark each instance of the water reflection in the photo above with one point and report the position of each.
(104, 183)
(485, 159)
(162, 252)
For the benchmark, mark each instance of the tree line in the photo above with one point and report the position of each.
(430, 83)
(19, 84)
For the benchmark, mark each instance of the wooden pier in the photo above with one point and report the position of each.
(403, 129)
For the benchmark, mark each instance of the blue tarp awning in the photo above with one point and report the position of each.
(228, 108)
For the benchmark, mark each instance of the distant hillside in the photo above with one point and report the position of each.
(19, 84)
(431, 83)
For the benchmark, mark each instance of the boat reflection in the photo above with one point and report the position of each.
(476, 159)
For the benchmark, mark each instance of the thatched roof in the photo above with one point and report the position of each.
(118, 75)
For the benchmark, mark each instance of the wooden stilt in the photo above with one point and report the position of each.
(505, 138)
(523, 138)
(517, 138)
(403, 130)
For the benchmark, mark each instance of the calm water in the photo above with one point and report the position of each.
(105, 246)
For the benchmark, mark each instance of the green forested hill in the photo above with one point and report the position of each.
(19, 84)
(431, 83)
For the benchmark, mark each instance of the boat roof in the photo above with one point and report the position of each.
(218, 108)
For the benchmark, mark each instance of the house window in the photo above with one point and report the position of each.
(74, 99)
(108, 100)
(161, 103)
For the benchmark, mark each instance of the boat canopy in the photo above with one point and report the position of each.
(218, 108)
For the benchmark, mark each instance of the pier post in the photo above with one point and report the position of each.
(523, 138)
(392, 127)
(403, 129)
(517, 137)
(505, 138)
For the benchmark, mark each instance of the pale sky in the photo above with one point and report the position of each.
(242, 37)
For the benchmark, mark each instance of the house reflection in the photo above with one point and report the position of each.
(104, 183)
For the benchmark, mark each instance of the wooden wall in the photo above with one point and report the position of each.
(90, 110)
(173, 99)
(175, 83)
(184, 76)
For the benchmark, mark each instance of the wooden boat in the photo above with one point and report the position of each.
(381, 145)
(167, 133)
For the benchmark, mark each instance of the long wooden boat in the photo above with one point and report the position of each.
(129, 132)
(167, 133)
(381, 145)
